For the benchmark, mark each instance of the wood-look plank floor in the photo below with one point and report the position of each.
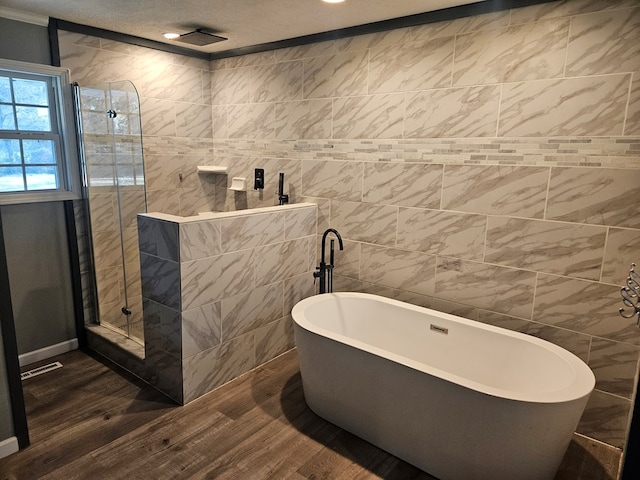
(92, 420)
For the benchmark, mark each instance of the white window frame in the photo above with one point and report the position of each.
(63, 114)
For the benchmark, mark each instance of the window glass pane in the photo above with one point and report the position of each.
(7, 120)
(10, 152)
(39, 151)
(33, 118)
(41, 178)
(32, 92)
(11, 179)
(5, 90)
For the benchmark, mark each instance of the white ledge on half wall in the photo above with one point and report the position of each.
(212, 169)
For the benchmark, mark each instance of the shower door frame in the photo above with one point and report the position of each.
(119, 190)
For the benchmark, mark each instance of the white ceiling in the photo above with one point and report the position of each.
(244, 22)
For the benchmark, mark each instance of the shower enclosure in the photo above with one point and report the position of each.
(113, 168)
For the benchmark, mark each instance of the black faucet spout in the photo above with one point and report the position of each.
(324, 271)
(324, 240)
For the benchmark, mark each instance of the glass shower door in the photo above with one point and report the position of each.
(115, 190)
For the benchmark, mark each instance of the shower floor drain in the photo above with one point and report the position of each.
(40, 370)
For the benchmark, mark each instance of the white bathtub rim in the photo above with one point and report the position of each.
(582, 386)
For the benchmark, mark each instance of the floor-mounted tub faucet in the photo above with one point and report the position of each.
(325, 270)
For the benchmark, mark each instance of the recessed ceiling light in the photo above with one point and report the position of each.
(170, 35)
(333, 1)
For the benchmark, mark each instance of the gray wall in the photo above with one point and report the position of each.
(6, 423)
(24, 42)
(36, 243)
(39, 274)
(35, 235)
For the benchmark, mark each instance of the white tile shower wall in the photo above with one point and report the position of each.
(434, 141)
(218, 293)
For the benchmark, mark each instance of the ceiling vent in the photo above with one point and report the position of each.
(199, 38)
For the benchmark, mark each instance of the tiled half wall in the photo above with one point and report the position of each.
(486, 166)
(218, 290)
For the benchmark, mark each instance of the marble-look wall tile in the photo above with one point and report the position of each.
(448, 28)
(166, 321)
(303, 119)
(160, 280)
(600, 196)
(604, 42)
(437, 304)
(623, 249)
(411, 66)
(614, 365)
(231, 86)
(210, 279)
(209, 369)
(332, 179)
(103, 211)
(495, 190)
(107, 251)
(437, 232)
(505, 321)
(499, 289)
(305, 51)
(298, 288)
(605, 418)
(158, 116)
(571, 106)
(283, 260)
(411, 185)
(378, 39)
(193, 120)
(372, 116)
(632, 125)
(576, 343)
(147, 240)
(274, 339)
(219, 121)
(168, 81)
(339, 75)
(551, 247)
(365, 222)
(167, 238)
(411, 271)
(324, 211)
(300, 222)
(524, 52)
(565, 8)
(199, 239)
(251, 59)
(346, 284)
(162, 171)
(251, 310)
(201, 329)
(196, 200)
(256, 120)
(452, 112)
(278, 83)
(248, 231)
(91, 66)
(582, 306)
(108, 282)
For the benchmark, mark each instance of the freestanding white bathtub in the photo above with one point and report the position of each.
(456, 398)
